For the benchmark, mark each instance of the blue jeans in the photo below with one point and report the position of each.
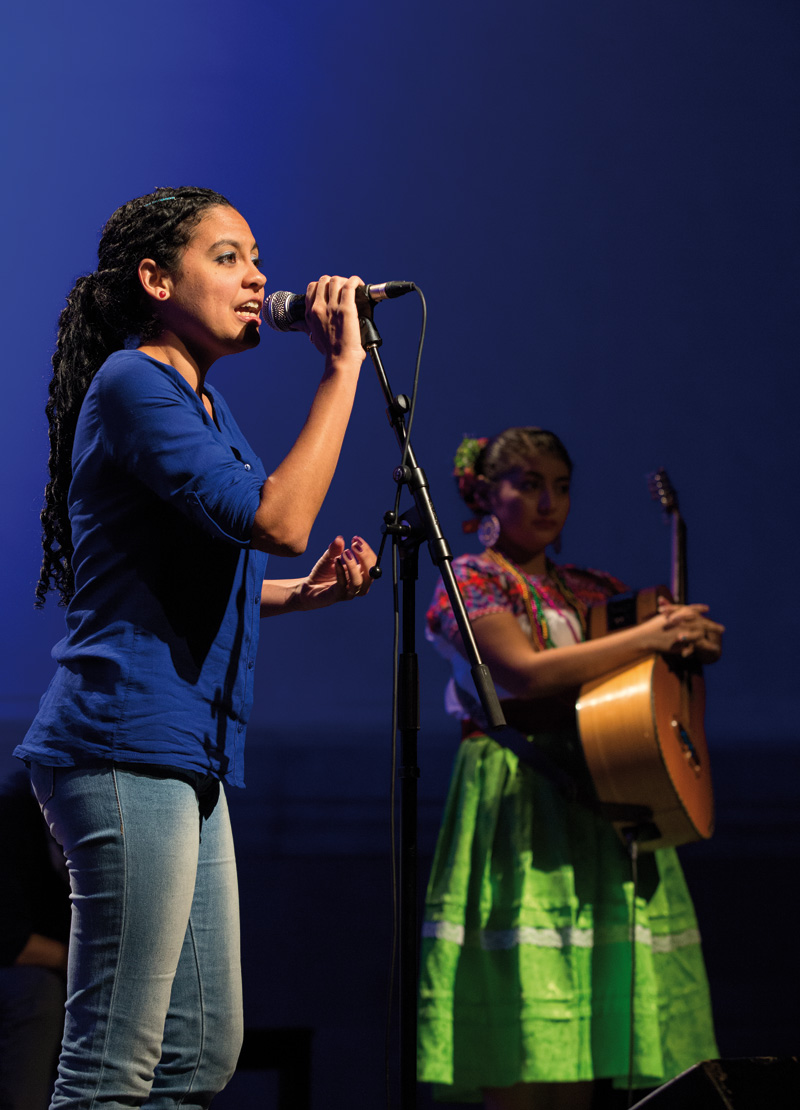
(154, 997)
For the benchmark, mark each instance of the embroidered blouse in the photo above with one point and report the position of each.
(488, 588)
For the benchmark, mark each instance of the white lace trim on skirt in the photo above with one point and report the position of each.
(495, 940)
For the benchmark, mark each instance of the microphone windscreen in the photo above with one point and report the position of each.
(282, 310)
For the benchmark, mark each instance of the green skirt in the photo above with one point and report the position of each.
(526, 951)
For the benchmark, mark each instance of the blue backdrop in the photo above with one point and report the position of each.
(600, 204)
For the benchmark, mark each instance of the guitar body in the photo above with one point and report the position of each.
(642, 732)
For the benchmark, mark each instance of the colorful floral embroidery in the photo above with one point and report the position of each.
(488, 588)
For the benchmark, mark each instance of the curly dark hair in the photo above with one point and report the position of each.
(492, 458)
(104, 312)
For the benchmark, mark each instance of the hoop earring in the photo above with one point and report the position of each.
(489, 530)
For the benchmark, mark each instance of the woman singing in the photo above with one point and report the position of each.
(526, 956)
(157, 524)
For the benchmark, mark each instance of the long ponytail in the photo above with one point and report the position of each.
(105, 310)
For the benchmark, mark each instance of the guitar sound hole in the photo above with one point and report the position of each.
(687, 745)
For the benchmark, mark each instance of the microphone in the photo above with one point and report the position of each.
(283, 310)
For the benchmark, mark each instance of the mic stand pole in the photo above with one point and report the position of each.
(413, 527)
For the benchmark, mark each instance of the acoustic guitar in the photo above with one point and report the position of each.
(641, 726)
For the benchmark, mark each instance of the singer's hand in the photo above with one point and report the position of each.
(340, 575)
(332, 319)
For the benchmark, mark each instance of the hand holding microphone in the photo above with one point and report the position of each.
(331, 320)
(285, 311)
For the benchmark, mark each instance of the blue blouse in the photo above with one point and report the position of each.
(157, 663)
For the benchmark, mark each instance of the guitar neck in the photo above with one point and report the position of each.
(680, 580)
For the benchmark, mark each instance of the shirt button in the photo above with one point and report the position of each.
(247, 466)
(250, 665)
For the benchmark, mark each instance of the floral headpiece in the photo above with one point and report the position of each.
(464, 472)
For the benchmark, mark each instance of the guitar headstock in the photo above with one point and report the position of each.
(662, 490)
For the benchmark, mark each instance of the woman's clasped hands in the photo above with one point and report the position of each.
(685, 630)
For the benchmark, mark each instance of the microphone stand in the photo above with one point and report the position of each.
(408, 532)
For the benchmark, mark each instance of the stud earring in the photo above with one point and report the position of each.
(162, 293)
(489, 530)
